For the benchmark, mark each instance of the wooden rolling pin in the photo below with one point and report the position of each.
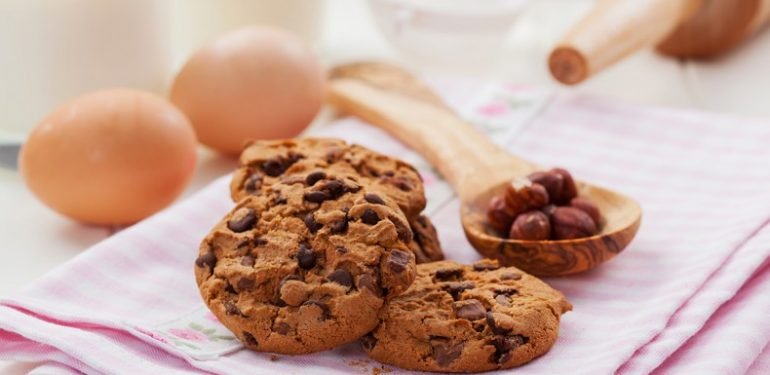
(679, 28)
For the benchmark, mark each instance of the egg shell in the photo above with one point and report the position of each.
(252, 83)
(110, 157)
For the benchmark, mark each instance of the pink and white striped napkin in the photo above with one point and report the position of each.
(685, 297)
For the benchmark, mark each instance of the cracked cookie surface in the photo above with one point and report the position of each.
(467, 318)
(264, 163)
(305, 267)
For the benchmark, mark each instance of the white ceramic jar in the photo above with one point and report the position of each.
(52, 50)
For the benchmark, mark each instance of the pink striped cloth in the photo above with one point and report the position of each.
(685, 298)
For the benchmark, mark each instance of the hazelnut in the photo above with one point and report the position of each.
(531, 226)
(551, 181)
(548, 210)
(522, 195)
(568, 190)
(585, 205)
(571, 223)
(498, 215)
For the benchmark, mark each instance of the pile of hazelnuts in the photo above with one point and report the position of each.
(543, 206)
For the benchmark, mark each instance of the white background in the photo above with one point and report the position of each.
(34, 239)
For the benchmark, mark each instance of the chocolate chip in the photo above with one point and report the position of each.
(504, 345)
(370, 217)
(401, 183)
(249, 339)
(282, 328)
(493, 325)
(295, 157)
(232, 309)
(367, 281)
(368, 342)
(324, 309)
(243, 244)
(510, 276)
(314, 177)
(312, 225)
(208, 260)
(472, 309)
(245, 283)
(243, 220)
(403, 231)
(247, 261)
(485, 266)
(334, 189)
(446, 274)
(274, 167)
(506, 292)
(339, 227)
(342, 277)
(333, 155)
(446, 353)
(374, 199)
(253, 183)
(389, 173)
(352, 187)
(456, 288)
(306, 257)
(259, 241)
(229, 288)
(398, 260)
(503, 297)
(342, 250)
(316, 196)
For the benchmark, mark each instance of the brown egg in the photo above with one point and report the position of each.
(110, 157)
(253, 83)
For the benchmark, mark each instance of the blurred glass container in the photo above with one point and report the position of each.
(455, 31)
(199, 21)
(53, 50)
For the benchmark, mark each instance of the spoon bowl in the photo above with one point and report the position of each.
(389, 97)
(621, 217)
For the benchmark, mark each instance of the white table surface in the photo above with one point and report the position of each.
(35, 239)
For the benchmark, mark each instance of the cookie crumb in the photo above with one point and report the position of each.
(361, 365)
(274, 358)
(381, 370)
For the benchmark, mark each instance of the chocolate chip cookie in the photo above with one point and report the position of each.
(427, 246)
(458, 318)
(306, 265)
(264, 163)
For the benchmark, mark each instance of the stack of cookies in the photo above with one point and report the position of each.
(327, 244)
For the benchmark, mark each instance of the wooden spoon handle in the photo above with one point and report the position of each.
(716, 27)
(388, 97)
(614, 29)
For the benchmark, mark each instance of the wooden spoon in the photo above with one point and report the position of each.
(477, 169)
(679, 28)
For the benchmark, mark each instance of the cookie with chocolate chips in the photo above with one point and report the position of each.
(307, 161)
(427, 247)
(460, 318)
(303, 267)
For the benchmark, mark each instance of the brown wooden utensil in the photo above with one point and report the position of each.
(477, 169)
(680, 28)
